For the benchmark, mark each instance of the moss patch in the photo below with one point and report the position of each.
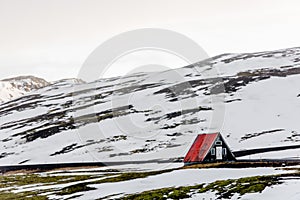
(227, 188)
(131, 176)
(224, 189)
(164, 193)
(21, 195)
(19, 180)
(80, 187)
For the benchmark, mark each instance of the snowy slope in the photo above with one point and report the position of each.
(253, 99)
(16, 87)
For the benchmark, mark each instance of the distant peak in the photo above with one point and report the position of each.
(15, 87)
(19, 78)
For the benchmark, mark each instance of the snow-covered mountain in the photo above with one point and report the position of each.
(253, 99)
(16, 87)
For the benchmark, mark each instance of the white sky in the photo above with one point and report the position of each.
(52, 38)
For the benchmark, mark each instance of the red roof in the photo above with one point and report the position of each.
(200, 147)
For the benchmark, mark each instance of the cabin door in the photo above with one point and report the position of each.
(219, 153)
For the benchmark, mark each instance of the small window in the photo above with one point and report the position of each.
(224, 151)
(218, 142)
(213, 151)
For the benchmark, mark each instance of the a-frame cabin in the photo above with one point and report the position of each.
(208, 148)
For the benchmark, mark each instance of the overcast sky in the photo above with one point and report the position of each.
(52, 38)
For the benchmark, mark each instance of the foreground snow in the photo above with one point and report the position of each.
(110, 183)
(185, 177)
